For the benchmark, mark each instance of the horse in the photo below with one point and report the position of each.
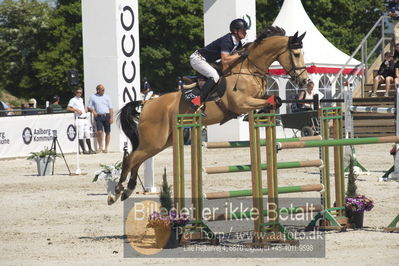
(151, 131)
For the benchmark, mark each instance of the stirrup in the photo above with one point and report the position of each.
(199, 109)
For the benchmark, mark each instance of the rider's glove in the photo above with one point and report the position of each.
(243, 53)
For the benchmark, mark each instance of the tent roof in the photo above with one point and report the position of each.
(319, 53)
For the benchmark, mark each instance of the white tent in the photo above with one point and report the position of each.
(322, 59)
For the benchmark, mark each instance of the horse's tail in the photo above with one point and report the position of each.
(128, 117)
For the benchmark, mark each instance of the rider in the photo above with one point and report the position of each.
(222, 48)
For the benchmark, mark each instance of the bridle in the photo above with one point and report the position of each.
(263, 73)
(292, 71)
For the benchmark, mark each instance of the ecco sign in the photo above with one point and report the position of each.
(128, 45)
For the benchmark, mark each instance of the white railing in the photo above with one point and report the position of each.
(365, 55)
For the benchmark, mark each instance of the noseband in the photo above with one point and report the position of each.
(292, 71)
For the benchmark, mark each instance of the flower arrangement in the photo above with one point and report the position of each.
(108, 172)
(355, 202)
(159, 220)
(44, 160)
(167, 217)
(359, 203)
(109, 175)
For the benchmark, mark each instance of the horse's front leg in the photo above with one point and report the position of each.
(137, 160)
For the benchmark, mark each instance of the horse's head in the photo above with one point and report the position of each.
(292, 60)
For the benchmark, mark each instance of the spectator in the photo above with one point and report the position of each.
(308, 94)
(147, 90)
(393, 12)
(55, 105)
(76, 105)
(101, 106)
(396, 80)
(5, 107)
(396, 53)
(180, 83)
(386, 74)
(31, 109)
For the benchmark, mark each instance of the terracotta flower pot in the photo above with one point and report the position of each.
(166, 238)
(161, 237)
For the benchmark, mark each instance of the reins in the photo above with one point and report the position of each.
(291, 71)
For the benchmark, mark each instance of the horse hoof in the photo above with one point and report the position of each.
(110, 200)
(113, 198)
(126, 194)
(118, 189)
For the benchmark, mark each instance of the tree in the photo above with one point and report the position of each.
(63, 50)
(170, 31)
(23, 25)
(39, 41)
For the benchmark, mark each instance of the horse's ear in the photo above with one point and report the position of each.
(295, 37)
(300, 38)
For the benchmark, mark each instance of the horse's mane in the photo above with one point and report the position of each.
(268, 32)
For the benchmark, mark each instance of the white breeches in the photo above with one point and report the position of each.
(199, 63)
(83, 128)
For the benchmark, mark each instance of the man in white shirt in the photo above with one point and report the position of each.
(76, 105)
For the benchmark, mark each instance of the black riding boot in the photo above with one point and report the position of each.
(82, 146)
(196, 96)
(207, 88)
(89, 145)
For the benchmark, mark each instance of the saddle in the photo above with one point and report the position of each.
(196, 83)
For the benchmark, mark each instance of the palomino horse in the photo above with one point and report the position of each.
(245, 91)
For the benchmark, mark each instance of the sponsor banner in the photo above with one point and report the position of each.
(127, 27)
(20, 135)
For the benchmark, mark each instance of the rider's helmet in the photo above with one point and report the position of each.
(238, 24)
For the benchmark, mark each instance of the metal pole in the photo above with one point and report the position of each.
(272, 180)
(395, 173)
(338, 142)
(178, 164)
(257, 196)
(78, 171)
(244, 144)
(248, 192)
(196, 166)
(383, 39)
(283, 211)
(325, 157)
(362, 81)
(371, 109)
(248, 167)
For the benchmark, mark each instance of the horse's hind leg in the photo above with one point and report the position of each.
(138, 158)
